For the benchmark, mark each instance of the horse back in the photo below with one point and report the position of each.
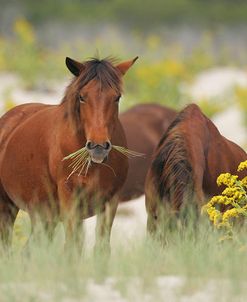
(223, 156)
(209, 152)
(14, 118)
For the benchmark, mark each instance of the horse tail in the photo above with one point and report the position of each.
(172, 170)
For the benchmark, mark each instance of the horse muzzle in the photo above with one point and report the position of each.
(98, 152)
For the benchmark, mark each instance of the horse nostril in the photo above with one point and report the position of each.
(89, 145)
(107, 145)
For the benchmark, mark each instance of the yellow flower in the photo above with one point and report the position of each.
(217, 217)
(227, 179)
(234, 193)
(174, 68)
(153, 42)
(234, 199)
(244, 181)
(24, 31)
(226, 237)
(242, 166)
(230, 214)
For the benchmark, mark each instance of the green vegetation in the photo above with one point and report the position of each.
(138, 13)
(160, 72)
(159, 76)
(23, 55)
(192, 253)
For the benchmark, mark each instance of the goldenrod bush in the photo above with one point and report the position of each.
(223, 209)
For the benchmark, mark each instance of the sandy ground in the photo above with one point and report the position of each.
(131, 216)
(166, 289)
(130, 220)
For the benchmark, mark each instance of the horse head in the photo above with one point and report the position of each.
(97, 91)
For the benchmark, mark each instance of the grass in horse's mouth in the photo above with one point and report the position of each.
(128, 153)
(81, 159)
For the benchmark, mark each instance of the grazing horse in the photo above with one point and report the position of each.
(143, 125)
(35, 138)
(185, 166)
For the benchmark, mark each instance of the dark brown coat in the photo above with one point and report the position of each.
(186, 163)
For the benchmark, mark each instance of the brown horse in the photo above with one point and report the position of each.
(185, 166)
(143, 125)
(35, 138)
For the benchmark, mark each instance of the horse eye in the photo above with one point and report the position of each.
(117, 99)
(81, 99)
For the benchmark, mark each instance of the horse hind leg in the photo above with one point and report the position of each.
(8, 213)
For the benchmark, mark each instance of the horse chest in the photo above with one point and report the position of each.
(99, 179)
(89, 193)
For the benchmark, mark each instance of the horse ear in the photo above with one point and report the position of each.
(123, 67)
(74, 66)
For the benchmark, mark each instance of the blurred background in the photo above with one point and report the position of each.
(189, 51)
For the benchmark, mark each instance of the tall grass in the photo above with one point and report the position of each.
(45, 271)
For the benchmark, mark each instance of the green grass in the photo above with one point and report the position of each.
(139, 13)
(192, 253)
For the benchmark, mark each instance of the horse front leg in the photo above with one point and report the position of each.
(103, 228)
(72, 220)
(74, 235)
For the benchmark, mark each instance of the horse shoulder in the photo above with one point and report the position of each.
(14, 117)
